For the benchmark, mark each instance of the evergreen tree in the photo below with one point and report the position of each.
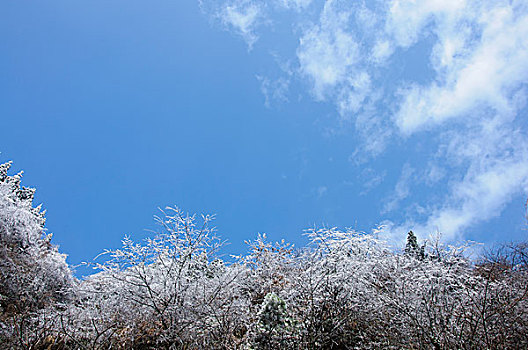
(273, 324)
(412, 248)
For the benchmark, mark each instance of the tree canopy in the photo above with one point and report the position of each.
(345, 290)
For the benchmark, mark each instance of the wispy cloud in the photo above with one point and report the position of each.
(480, 62)
(274, 90)
(242, 17)
(497, 170)
(371, 179)
(470, 106)
(295, 4)
(434, 173)
(330, 58)
(327, 52)
(320, 191)
(401, 191)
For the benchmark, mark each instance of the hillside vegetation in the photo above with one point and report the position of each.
(344, 290)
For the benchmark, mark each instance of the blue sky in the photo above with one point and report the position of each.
(275, 115)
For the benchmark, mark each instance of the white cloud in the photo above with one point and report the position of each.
(407, 20)
(242, 17)
(434, 173)
(327, 52)
(381, 51)
(480, 197)
(479, 79)
(484, 73)
(471, 102)
(497, 159)
(245, 17)
(295, 4)
(353, 95)
(366, 18)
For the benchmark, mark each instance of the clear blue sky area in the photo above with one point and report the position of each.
(275, 116)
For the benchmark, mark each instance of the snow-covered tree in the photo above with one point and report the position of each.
(169, 292)
(345, 290)
(33, 274)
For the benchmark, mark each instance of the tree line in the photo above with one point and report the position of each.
(344, 290)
